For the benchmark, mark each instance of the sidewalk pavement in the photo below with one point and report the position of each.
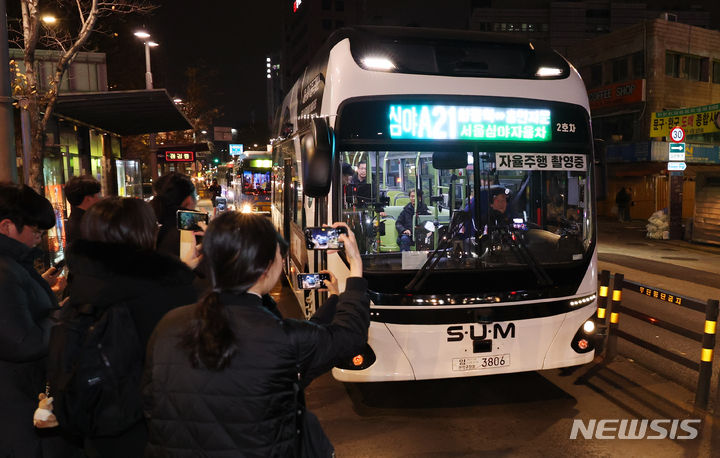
(691, 269)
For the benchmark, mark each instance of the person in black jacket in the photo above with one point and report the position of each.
(174, 192)
(222, 376)
(404, 223)
(116, 258)
(26, 304)
(81, 193)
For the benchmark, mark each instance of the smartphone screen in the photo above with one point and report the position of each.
(188, 220)
(323, 238)
(312, 281)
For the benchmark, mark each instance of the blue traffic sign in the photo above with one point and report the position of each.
(677, 166)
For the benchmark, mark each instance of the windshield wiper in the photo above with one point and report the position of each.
(434, 258)
(522, 252)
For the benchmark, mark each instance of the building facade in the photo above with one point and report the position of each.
(642, 81)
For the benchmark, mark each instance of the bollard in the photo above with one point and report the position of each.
(614, 316)
(706, 355)
(602, 296)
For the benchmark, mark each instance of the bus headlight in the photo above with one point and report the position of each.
(589, 327)
(246, 208)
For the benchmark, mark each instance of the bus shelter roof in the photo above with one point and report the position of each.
(124, 112)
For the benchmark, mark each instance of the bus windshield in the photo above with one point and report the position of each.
(478, 210)
(256, 182)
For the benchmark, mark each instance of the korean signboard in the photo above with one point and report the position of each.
(695, 120)
(539, 161)
(179, 156)
(617, 94)
(450, 122)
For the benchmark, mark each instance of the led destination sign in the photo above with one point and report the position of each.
(451, 122)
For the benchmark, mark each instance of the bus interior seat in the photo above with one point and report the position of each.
(392, 193)
(401, 201)
(388, 242)
(399, 196)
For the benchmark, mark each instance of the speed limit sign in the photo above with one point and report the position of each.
(677, 134)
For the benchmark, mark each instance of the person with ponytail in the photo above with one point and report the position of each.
(224, 377)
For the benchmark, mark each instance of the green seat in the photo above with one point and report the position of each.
(393, 193)
(401, 201)
(388, 242)
(443, 216)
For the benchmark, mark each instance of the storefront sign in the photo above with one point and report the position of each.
(179, 156)
(617, 94)
(538, 161)
(686, 152)
(695, 120)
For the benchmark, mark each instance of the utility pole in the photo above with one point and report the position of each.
(8, 158)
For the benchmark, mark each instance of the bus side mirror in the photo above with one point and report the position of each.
(317, 149)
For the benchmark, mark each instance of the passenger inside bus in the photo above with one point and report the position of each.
(404, 223)
(361, 175)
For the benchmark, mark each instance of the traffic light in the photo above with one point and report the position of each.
(216, 160)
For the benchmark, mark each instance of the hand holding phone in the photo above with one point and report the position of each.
(187, 220)
(324, 238)
(312, 281)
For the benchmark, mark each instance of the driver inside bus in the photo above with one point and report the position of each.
(492, 217)
(498, 216)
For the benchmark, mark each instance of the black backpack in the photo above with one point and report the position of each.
(95, 366)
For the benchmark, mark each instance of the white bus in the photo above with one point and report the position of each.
(471, 120)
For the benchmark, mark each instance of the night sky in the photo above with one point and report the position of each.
(229, 39)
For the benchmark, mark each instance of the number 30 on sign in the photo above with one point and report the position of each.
(677, 134)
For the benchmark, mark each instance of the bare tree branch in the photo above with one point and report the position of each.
(40, 104)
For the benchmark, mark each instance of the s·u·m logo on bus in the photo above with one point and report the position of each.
(481, 332)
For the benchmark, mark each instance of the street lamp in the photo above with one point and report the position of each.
(148, 44)
(144, 36)
(49, 19)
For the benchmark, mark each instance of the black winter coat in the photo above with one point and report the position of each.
(249, 408)
(26, 302)
(73, 226)
(148, 282)
(405, 219)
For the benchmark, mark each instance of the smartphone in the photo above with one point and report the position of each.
(187, 220)
(221, 204)
(59, 264)
(324, 238)
(312, 281)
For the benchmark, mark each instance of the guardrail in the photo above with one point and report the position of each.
(615, 309)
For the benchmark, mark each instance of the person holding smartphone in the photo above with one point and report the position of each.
(226, 374)
(27, 301)
(175, 191)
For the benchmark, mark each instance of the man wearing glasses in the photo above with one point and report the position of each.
(26, 301)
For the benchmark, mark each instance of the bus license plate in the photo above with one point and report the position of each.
(481, 362)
